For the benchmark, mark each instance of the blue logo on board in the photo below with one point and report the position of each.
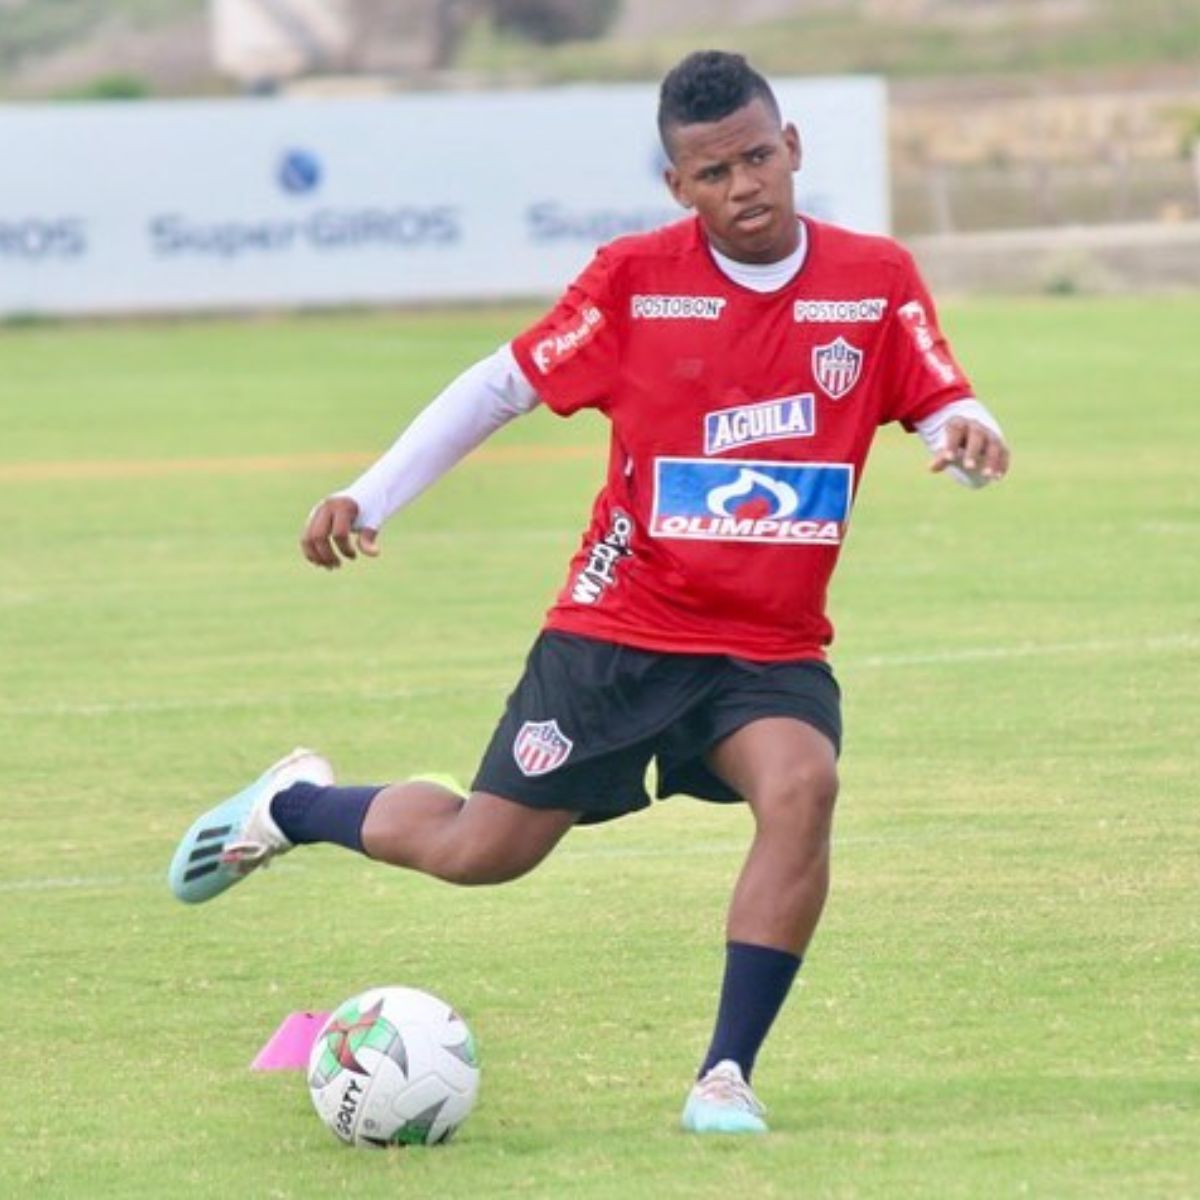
(750, 501)
(299, 172)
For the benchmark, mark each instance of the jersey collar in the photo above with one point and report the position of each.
(764, 277)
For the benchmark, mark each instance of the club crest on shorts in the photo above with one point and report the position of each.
(540, 747)
(836, 367)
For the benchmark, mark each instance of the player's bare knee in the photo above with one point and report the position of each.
(803, 796)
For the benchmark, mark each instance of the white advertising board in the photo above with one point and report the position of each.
(191, 205)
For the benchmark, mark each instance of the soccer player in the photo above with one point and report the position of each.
(745, 357)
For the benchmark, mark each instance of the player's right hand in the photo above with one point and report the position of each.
(329, 534)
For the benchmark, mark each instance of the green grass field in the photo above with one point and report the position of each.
(1002, 1000)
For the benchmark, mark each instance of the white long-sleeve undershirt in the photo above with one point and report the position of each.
(764, 277)
(480, 401)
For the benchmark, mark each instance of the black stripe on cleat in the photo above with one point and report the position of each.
(201, 871)
(216, 831)
(203, 852)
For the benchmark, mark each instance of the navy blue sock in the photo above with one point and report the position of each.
(307, 813)
(757, 981)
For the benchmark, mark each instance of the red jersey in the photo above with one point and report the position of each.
(740, 425)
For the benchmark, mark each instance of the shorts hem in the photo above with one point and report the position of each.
(669, 784)
(587, 815)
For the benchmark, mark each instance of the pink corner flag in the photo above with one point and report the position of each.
(290, 1045)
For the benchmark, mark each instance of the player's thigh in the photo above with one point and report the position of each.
(785, 767)
(583, 722)
(507, 835)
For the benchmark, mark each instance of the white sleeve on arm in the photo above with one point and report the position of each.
(481, 400)
(933, 428)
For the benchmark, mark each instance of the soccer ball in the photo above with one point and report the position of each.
(393, 1066)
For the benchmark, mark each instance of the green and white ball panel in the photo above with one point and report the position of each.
(394, 1065)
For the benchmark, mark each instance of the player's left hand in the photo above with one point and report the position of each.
(332, 534)
(973, 447)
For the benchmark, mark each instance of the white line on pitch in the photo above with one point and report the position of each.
(71, 883)
(969, 654)
(274, 699)
(1151, 645)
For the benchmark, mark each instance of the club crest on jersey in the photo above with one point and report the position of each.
(751, 501)
(768, 421)
(836, 367)
(540, 747)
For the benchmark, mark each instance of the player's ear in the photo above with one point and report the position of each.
(791, 139)
(674, 182)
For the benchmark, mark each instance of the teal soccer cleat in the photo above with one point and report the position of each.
(721, 1102)
(239, 835)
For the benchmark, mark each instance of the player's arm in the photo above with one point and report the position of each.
(967, 441)
(480, 401)
(930, 392)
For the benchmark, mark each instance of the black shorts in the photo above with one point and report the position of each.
(587, 717)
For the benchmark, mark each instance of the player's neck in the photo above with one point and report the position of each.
(764, 277)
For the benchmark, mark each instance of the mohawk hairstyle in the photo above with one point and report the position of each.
(707, 86)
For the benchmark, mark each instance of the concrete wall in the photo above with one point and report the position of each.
(1084, 259)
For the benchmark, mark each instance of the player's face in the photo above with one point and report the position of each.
(737, 175)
